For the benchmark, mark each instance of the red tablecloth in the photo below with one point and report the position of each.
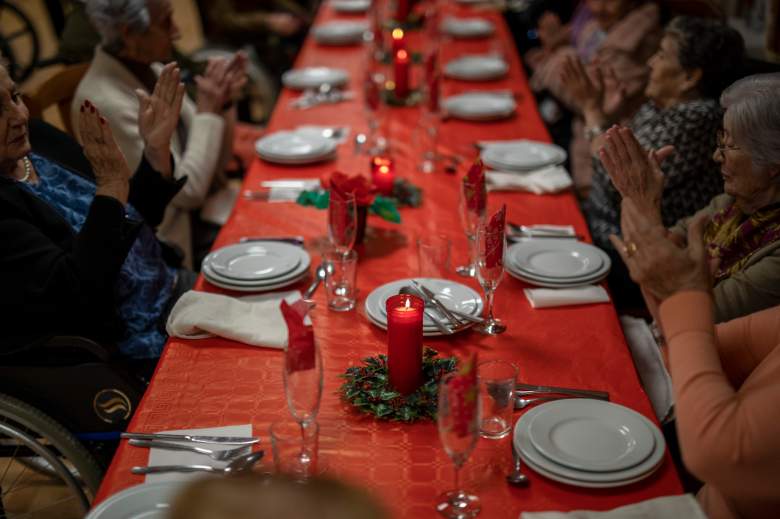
(218, 382)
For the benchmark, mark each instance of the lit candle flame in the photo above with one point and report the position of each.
(408, 302)
(398, 34)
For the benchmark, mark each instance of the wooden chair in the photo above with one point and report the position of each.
(54, 86)
(700, 8)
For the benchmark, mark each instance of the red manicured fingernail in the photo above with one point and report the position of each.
(87, 103)
(102, 121)
(92, 109)
(82, 108)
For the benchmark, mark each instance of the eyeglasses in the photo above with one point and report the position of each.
(720, 143)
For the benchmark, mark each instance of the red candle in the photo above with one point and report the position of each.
(399, 40)
(404, 342)
(402, 8)
(401, 76)
(383, 174)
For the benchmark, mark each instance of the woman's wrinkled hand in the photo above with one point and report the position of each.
(158, 116)
(586, 87)
(112, 175)
(661, 267)
(222, 83)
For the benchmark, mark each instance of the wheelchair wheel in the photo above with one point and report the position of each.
(18, 41)
(65, 476)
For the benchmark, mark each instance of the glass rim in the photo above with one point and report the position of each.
(500, 364)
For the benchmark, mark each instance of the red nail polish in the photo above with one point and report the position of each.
(92, 109)
(82, 108)
(102, 121)
(87, 103)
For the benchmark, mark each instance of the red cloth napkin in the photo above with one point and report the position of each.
(475, 189)
(433, 94)
(494, 239)
(430, 65)
(300, 338)
(464, 394)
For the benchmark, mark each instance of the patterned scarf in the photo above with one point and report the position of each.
(733, 236)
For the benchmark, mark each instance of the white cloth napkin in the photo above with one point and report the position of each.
(552, 179)
(168, 457)
(254, 320)
(217, 207)
(549, 297)
(649, 364)
(288, 189)
(667, 507)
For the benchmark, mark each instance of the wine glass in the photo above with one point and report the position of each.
(491, 244)
(458, 421)
(472, 219)
(302, 376)
(372, 96)
(342, 222)
(429, 127)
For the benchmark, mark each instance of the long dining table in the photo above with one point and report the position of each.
(215, 382)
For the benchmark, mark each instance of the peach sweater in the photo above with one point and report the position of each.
(727, 388)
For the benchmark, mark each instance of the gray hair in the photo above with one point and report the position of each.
(109, 16)
(753, 108)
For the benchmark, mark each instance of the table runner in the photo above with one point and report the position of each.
(215, 382)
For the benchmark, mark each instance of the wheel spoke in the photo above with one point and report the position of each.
(14, 35)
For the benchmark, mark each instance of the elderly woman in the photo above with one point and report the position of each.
(693, 64)
(78, 254)
(742, 231)
(136, 34)
(726, 378)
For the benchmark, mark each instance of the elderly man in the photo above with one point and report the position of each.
(135, 36)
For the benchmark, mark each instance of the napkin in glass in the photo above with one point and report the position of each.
(301, 354)
(474, 188)
(255, 320)
(542, 181)
(551, 297)
(667, 507)
(494, 239)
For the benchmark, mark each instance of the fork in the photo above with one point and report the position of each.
(218, 455)
(522, 403)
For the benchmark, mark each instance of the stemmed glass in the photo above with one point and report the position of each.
(490, 271)
(342, 222)
(458, 421)
(471, 219)
(429, 129)
(302, 376)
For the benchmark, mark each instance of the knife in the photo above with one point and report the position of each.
(443, 309)
(227, 440)
(295, 240)
(533, 389)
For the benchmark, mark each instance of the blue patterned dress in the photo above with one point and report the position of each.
(145, 282)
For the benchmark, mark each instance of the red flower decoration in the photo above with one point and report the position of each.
(361, 186)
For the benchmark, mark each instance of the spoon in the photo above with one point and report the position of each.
(360, 141)
(319, 276)
(516, 476)
(236, 466)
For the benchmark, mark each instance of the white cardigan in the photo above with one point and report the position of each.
(111, 88)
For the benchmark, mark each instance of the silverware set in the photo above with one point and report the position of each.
(325, 94)
(455, 320)
(529, 394)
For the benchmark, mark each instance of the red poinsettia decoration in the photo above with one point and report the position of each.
(465, 393)
(363, 189)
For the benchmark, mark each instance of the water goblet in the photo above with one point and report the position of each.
(342, 222)
(458, 423)
(471, 219)
(491, 244)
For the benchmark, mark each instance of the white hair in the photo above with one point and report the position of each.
(753, 110)
(109, 16)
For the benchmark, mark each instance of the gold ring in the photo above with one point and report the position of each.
(630, 249)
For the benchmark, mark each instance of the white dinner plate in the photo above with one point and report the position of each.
(476, 68)
(261, 285)
(454, 296)
(314, 77)
(522, 155)
(340, 32)
(255, 261)
(289, 147)
(556, 259)
(351, 6)
(595, 439)
(582, 478)
(550, 282)
(146, 501)
(468, 27)
(479, 106)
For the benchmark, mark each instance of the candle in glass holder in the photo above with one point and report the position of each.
(383, 174)
(404, 342)
(401, 73)
(399, 40)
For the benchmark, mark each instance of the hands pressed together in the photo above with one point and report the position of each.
(112, 175)
(222, 83)
(595, 89)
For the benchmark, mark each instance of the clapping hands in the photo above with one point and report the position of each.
(594, 89)
(222, 83)
(112, 175)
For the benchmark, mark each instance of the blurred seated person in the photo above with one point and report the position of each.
(726, 378)
(135, 35)
(553, 33)
(742, 226)
(696, 60)
(78, 253)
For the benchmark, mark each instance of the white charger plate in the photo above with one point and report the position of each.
(580, 478)
(340, 32)
(476, 68)
(479, 106)
(290, 147)
(522, 155)
(468, 27)
(255, 261)
(146, 501)
(595, 439)
(314, 77)
(556, 259)
(351, 6)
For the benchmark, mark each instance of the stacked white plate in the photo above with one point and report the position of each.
(147, 501)
(295, 148)
(554, 263)
(522, 155)
(589, 443)
(256, 266)
(451, 294)
(351, 6)
(468, 27)
(476, 68)
(340, 32)
(314, 77)
(479, 106)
